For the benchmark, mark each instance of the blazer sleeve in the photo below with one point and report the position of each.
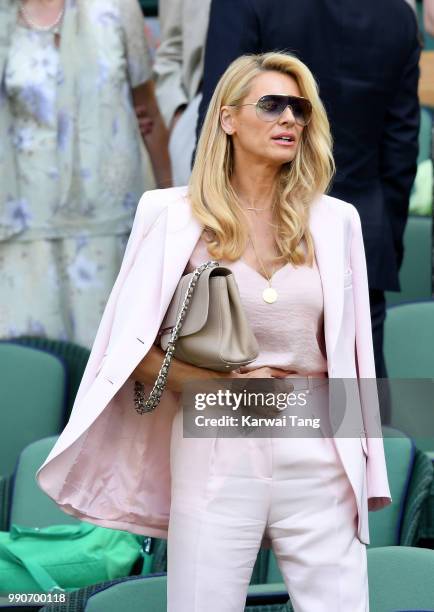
(146, 215)
(170, 91)
(376, 470)
(399, 146)
(231, 33)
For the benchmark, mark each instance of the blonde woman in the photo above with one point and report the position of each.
(256, 203)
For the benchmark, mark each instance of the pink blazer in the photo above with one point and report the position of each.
(111, 466)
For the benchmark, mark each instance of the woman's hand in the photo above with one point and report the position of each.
(145, 122)
(264, 372)
(157, 138)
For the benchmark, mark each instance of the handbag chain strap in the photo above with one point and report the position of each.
(141, 404)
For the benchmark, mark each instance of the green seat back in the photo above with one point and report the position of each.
(415, 273)
(400, 578)
(273, 572)
(143, 594)
(73, 356)
(426, 530)
(385, 525)
(32, 384)
(418, 520)
(408, 349)
(409, 340)
(425, 136)
(135, 595)
(30, 506)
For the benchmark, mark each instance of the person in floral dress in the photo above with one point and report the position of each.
(73, 164)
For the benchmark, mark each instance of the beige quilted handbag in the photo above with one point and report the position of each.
(205, 325)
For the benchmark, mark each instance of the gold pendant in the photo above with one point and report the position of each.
(270, 295)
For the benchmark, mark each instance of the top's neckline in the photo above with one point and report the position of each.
(275, 273)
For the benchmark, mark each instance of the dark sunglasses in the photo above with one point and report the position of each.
(270, 107)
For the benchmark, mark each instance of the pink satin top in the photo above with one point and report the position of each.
(290, 332)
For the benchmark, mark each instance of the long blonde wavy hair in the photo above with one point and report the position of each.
(214, 201)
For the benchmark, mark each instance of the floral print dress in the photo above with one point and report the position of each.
(54, 280)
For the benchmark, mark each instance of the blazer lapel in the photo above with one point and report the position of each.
(328, 241)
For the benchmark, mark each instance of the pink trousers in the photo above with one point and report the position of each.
(228, 492)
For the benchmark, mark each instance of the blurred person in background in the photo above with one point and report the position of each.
(178, 71)
(365, 57)
(72, 161)
(428, 16)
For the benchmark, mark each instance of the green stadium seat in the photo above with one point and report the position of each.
(385, 525)
(77, 600)
(409, 340)
(426, 527)
(73, 356)
(32, 383)
(273, 572)
(418, 517)
(425, 136)
(140, 594)
(415, 273)
(401, 579)
(30, 506)
(74, 359)
(408, 348)
(136, 594)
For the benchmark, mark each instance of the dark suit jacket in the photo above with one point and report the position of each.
(365, 58)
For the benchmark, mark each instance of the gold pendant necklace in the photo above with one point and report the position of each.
(269, 295)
